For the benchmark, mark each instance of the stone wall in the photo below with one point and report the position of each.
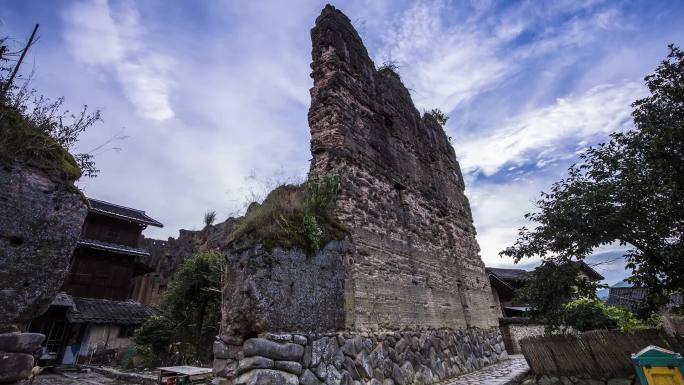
(166, 256)
(352, 358)
(415, 259)
(514, 329)
(403, 298)
(284, 290)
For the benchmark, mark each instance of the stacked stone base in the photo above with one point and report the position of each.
(16, 359)
(350, 358)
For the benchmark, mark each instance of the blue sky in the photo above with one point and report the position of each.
(212, 96)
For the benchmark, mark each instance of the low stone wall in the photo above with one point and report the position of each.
(349, 358)
(515, 329)
(16, 359)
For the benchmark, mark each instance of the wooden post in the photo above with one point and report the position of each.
(21, 59)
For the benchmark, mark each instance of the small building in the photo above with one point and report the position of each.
(513, 321)
(631, 297)
(94, 313)
(505, 283)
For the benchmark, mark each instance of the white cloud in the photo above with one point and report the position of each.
(601, 110)
(111, 38)
(448, 55)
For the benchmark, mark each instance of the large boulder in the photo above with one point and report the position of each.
(40, 222)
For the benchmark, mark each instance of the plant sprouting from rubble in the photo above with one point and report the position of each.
(439, 116)
(209, 218)
(294, 216)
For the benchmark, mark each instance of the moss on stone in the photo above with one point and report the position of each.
(21, 141)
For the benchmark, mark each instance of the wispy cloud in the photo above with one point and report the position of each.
(111, 39)
(601, 110)
(449, 55)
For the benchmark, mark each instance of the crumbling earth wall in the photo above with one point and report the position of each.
(404, 298)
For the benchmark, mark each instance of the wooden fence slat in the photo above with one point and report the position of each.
(597, 353)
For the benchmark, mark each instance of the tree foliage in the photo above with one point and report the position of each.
(585, 314)
(189, 314)
(629, 190)
(549, 287)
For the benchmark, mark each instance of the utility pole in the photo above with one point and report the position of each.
(21, 59)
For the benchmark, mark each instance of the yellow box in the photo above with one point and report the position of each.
(660, 375)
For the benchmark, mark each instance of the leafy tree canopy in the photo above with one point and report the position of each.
(549, 287)
(629, 190)
(190, 312)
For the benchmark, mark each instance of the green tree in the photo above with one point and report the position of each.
(549, 287)
(629, 190)
(190, 312)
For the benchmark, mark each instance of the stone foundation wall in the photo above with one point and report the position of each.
(349, 358)
(276, 290)
(512, 334)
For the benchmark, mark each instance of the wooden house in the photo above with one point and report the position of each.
(94, 313)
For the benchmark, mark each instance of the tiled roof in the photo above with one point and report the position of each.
(588, 270)
(113, 247)
(508, 274)
(63, 299)
(104, 311)
(112, 210)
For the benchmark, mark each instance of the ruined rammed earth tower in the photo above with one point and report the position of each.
(404, 296)
(415, 259)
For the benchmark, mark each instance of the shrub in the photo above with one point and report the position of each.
(389, 68)
(439, 116)
(38, 132)
(209, 218)
(589, 314)
(293, 216)
(189, 315)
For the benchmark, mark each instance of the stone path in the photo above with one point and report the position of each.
(502, 373)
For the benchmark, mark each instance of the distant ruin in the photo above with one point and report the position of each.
(402, 294)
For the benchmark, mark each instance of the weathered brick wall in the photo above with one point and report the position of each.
(404, 297)
(415, 261)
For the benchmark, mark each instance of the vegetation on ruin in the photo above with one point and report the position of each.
(37, 131)
(628, 190)
(293, 216)
(209, 218)
(439, 116)
(389, 66)
(189, 315)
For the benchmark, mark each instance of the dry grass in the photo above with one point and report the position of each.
(292, 216)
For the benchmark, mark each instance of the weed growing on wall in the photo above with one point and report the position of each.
(293, 216)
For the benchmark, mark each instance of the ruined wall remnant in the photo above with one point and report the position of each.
(40, 221)
(416, 261)
(404, 295)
